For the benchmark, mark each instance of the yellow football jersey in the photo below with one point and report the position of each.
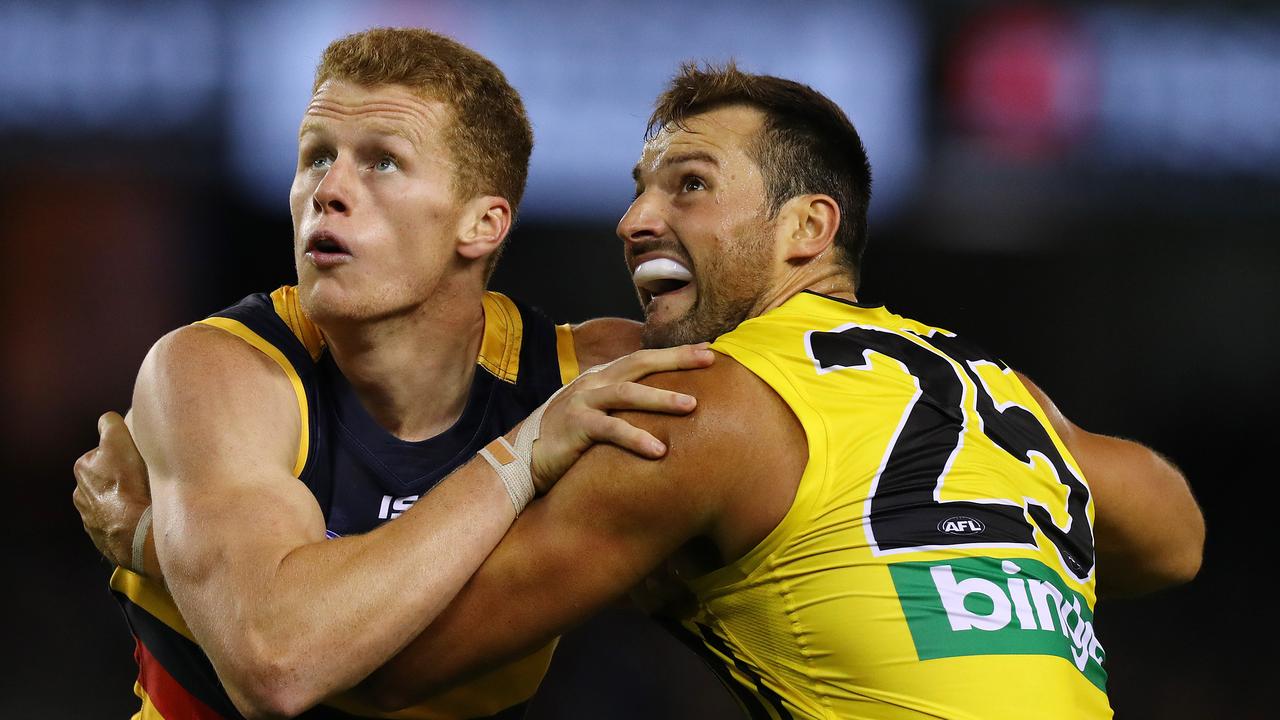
(937, 560)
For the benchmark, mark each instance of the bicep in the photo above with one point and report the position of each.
(609, 523)
(1118, 471)
(612, 519)
(217, 425)
(1148, 529)
(604, 340)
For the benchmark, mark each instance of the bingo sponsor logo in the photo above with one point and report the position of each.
(988, 606)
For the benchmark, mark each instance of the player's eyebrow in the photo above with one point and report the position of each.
(677, 158)
(308, 127)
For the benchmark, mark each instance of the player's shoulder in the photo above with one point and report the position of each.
(205, 357)
(604, 340)
(735, 410)
(734, 461)
(201, 385)
(725, 378)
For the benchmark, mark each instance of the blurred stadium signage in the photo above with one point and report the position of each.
(1185, 90)
(589, 74)
(1115, 87)
(121, 68)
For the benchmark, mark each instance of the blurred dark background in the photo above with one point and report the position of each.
(1090, 189)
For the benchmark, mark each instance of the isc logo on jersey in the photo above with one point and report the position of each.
(394, 507)
(988, 606)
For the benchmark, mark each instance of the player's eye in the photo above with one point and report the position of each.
(386, 164)
(320, 161)
(692, 183)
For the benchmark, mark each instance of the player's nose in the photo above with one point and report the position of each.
(644, 220)
(334, 191)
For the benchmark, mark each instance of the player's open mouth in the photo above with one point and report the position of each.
(326, 249)
(661, 276)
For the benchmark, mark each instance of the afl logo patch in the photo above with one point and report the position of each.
(961, 525)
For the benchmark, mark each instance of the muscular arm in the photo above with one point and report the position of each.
(1148, 529)
(609, 522)
(111, 479)
(613, 519)
(286, 616)
(283, 614)
(603, 340)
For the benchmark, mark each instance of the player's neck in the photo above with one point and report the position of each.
(413, 372)
(827, 279)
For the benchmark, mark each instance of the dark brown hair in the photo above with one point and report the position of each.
(807, 144)
(489, 137)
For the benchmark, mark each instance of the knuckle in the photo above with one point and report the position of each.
(107, 424)
(582, 399)
(642, 358)
(596, 429)
(628, 392)
(617, 429)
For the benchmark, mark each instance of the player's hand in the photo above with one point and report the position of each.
(112, 491)
(579, 416)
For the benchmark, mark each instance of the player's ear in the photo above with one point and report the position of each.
(483, 226)
(807, 226)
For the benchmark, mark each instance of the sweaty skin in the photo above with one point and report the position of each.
(732, 466)
(240, 542)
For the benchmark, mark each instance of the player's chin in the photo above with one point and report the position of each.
(326, 300)
(660, 332)
(671, 306)
(665, 323)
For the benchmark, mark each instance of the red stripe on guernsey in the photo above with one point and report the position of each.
(171, 699)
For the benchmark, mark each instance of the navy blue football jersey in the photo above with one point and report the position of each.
(361, 476)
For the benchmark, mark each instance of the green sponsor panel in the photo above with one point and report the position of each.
(993, 606)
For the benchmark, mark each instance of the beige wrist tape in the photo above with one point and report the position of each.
(514, 463)
(513, 470)
(140, 542)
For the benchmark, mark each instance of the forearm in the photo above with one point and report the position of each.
(509, 609)
(331, 611)
(286, 616)
(604, 528)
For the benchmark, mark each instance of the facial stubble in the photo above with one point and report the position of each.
(729, 287)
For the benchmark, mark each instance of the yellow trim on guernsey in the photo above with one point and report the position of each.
(567, 354)
(486, 695)
(499, 349)
(242, 331)
(285, 301)
(148, 710)
(152, 596)
(503, 331)
(500, 355)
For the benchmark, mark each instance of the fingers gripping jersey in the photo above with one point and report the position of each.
(361, 477)
(937, 560)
